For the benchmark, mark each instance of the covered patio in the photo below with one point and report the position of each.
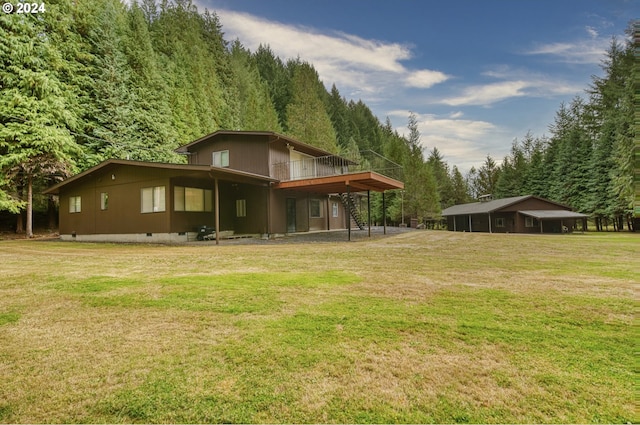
(363, 181)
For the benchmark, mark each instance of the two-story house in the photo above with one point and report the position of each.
(243, 183)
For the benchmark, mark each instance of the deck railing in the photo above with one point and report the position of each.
(333, 165)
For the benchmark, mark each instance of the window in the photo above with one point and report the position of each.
(529, 222)
(104, 201)
(220, 159)
(192, 199)
(334, 206)
(500, 222)
(241, 208)
(152, 199)
(314, 208)
(75, 204)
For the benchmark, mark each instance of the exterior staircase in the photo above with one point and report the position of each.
(349, 204)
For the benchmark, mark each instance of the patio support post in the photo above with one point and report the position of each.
(217, 210)
(384, 213)
(490, 223)
(369, 210)
(470, 228)
(269, 194)
(349, 212)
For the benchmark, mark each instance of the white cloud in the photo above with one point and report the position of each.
(592, 31)
(488, 93)
(464, 143)
(588, 51)
(425, 78)
(515, 84)
(349, 61)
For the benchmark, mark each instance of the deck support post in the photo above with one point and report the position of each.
(349, 212)
(217, 210)
(369, 210)
(384, 213)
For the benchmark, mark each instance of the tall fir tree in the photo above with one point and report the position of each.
(307, 117)
(35, 140)
(255, 108)
(421, 199)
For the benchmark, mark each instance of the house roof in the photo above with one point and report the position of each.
(272, 138)
(207, 170)
(552, 214)
(491, 206)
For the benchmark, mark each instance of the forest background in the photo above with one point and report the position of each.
(88, 80)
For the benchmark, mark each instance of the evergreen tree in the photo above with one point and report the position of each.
(307, 118)
(35, 141)
(366, 127)
(421, 193)
(277, 77)
(340, 119)
(443, 179)
(535, 180)
(511, 180)
(484, 180)
(255, 109)
(460, 187)
(572, 154)
(611, 109)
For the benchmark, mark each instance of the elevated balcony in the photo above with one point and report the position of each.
(367, 170)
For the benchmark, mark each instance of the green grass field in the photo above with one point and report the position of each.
(420, 327)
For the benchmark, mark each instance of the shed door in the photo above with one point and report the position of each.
(291, 215)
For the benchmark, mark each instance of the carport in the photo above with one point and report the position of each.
(557, 217)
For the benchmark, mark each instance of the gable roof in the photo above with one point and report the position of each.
(491, 206)
(208, 170)
(271, 135)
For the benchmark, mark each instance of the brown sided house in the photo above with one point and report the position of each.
(242, 183)
(520, 214)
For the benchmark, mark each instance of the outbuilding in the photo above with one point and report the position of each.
(519, 214)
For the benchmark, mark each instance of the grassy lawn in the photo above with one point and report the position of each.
(420, 327)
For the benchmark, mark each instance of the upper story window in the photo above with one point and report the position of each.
(220, 159)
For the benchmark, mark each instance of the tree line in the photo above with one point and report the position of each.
(592, 155)
(90, 80)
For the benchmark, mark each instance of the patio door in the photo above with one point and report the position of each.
(291, 215)
(301, 165)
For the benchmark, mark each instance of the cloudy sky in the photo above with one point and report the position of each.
(477, 73)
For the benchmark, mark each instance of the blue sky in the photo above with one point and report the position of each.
(477, 73)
